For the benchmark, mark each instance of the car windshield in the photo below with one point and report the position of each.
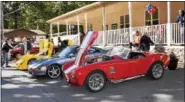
(67, 51)
(119, 51)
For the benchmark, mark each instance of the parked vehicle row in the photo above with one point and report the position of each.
(92, 67)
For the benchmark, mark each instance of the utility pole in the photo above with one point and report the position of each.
(1, 22)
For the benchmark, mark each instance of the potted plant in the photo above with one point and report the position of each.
(173, 61)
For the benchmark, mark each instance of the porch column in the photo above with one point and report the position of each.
(104, 25)
(67, 27)
(78, 24)
(130, 20)
(58, 28)
(86, 26)
(51, 31)
(169, 23)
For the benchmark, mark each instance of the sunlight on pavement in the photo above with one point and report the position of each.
(52, 82)
(26, 96)
(115, 96)
(78, 95)
(88, 98)
(163, 98)
(111, 101)
(10, 86)
(65, 86)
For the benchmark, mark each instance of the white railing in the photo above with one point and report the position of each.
(99, 40)
(74, 38)
(177, 36)
(157, 33)
(116, 37)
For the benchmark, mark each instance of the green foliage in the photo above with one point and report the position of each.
(34, 14)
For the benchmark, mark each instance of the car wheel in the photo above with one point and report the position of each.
(17, 56)
(156, 71)
(54, 71)
(95, 81)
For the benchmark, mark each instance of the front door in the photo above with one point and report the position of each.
(138, 66)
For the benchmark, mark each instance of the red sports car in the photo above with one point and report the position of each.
(19, 51)
(119, 64)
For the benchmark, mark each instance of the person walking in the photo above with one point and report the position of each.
(6, 46)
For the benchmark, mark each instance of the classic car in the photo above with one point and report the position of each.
(52, 66)
(119, 64)
(23, 62)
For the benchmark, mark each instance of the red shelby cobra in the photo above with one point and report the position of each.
(119, 64)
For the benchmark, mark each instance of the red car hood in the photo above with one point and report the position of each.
(84, 47)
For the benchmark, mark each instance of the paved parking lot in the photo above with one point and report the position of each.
(19, 86)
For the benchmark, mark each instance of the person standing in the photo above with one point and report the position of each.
(27, 45)
(61, 44)
(6, 46)
(82, 35)
(145, 42)
(180, 19)
(136, 40)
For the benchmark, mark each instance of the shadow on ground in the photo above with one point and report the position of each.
(19, 86)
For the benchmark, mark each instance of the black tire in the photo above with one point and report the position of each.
(173, 65)
(87, 84)
(56, 68)
(150, 73)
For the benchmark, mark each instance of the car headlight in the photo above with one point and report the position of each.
(43, 68)
(20, 62)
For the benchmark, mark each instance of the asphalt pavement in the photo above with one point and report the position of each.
(19, 86)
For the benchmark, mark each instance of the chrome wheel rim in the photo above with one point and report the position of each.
(54, 72)
(157, 71)
(96, 81)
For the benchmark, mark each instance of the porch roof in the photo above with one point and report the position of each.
(69, 16)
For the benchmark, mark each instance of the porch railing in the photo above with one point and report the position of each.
(158, 33)
(177, 36)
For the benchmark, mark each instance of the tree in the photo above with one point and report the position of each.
(34, 14)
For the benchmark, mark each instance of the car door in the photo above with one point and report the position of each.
(138, 66)
(118, 69)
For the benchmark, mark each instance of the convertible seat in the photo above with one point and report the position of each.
(117, 57)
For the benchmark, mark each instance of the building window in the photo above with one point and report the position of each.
(152, 19)
(124, 21)
(114, 26)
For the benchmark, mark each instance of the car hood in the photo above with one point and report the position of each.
(46, 62)
(84, 47)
